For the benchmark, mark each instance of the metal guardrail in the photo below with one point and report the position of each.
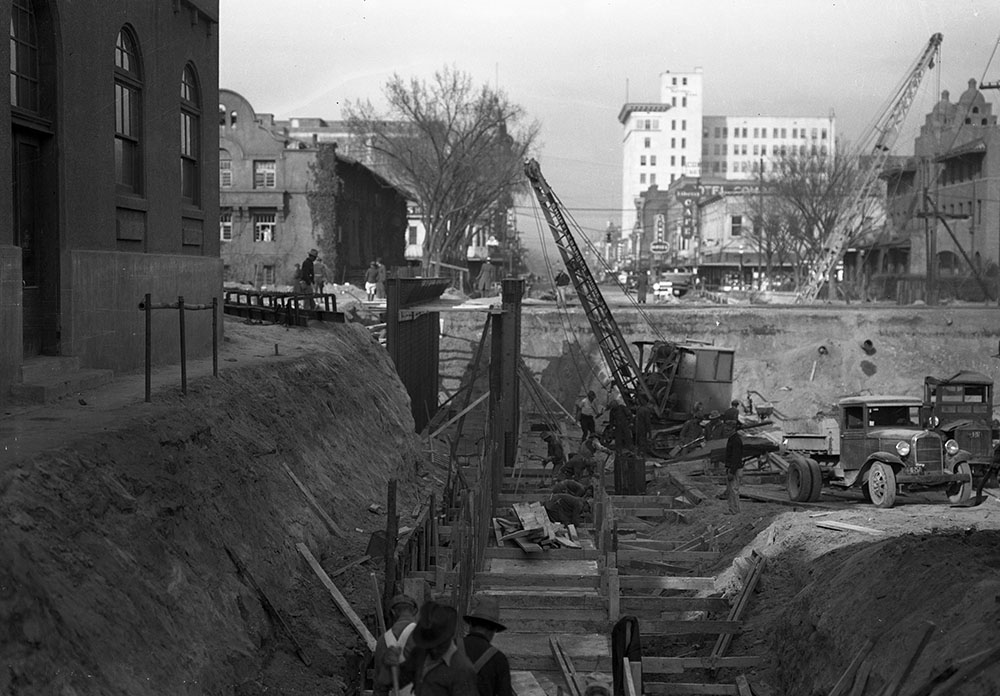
(147, 306)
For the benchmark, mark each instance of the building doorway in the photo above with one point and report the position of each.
(35, 234)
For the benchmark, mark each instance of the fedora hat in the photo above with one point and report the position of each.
(313, 252)
(486, 610)
(436, 625)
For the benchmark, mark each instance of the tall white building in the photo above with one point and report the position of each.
(672, 138)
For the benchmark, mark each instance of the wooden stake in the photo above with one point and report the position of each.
(338, 597)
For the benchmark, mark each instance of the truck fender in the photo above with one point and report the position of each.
(889, 458)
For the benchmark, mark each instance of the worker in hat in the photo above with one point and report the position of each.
(491, 665)
(402, 612)
(554, 452)
(307, 278)
(435, 666)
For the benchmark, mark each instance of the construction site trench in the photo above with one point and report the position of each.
(125, 524)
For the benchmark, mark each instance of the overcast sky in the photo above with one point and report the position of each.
(573, 63)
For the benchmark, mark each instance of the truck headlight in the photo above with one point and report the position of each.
(902, 448)
(934, 421)
(951, 447)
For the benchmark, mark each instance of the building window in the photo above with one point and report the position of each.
(823, 134)
(23, 57)
(673, 142)
(652, 160)
(783, 131)
(673, 160)
(718, 132)
(642, 160)
(642, 178)
(715, 167)
(227, 272)
(190, 141)
(756, 149)
(226, 226)
(673, 101)
(704, 149)
(652, 179)
(725, 166)
(683, 160)
(725, 148)
(267, 276)
(264, 227)
(725, 131)
(225, 169)
(646, 142)
(684, 143)
(763, 149)
(648, 123)
(128, 114)
(264, 174)
(774, 132)
(795, 132)
(684, 101)
(684, 124)
(684, 80)
(716, 149)
(656, 124)
(673, 80)
(756, 132)
(673, 125)
(736, 225)
(672, 177)
(411, 235)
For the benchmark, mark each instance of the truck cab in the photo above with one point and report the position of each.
(961, 409)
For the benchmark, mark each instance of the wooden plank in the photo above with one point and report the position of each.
(678, 628)
(845, 527)
(847, 676)
(627, 552)
(538, 580)
(497, 534)
(677, 665)
(657, 605)
(313, 503)
(743, 686)
(572, 532)
(338, 597)
(653, 582)
(458, 415)
(762, 498)
(736, 613)
(896, 684)
(861, 680)
(558, 553)
(629, 682)
(680, 689)
(524, 683)
(565, 666)
(528, 547)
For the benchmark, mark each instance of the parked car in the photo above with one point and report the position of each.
(882, 448)
(670, 285)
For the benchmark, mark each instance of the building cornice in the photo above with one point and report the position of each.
(645, 107)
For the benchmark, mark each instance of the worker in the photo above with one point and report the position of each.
(402, 612)
(712, 426)
(554, 453)
(562, 281)
(491, 665)
(566, 509)
(621, 422)
(643, 427)
(734, 471)
(571, 487)
(587, 412)
(435, 666)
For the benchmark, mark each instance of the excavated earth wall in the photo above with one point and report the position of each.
(778, 349)
(114, 575)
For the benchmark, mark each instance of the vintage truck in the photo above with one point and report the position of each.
(961, 409)
(883, 448)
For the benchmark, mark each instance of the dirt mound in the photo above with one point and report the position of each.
(114, 575)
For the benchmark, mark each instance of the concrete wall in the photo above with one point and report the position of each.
(108, 330)
(777, 349)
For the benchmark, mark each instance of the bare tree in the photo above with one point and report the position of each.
(457, 148)
(814, 190)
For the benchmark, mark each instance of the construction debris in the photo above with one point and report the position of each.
(533, 531)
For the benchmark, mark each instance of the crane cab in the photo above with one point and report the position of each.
(679, 375)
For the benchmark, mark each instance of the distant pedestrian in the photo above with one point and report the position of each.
(403, 612)
(642, 287)
(734, 471)
(562, 280)
(435, 666)
(491, 665)
(380, 279)
(371, 281)
(307, 275)
(587, 412)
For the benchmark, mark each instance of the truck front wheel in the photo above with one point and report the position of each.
(882, 485)
(960, 492)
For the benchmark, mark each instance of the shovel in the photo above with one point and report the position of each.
(978, 498)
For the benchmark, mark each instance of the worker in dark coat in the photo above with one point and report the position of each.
(566, 509)
(621, 422)
(491, 666)
(307, 277)
(554, 453)
(435, 666)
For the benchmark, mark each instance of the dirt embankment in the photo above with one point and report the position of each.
(114, 576)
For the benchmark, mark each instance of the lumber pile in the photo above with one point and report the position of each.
(532, 530)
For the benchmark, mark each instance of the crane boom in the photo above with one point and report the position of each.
(621, 363)
(879, 142)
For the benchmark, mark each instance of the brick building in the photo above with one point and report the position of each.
(266, 224)
(109, 140)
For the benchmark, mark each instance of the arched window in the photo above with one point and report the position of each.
(23, 57)
(128, 114)
(190, 140)
(222, 114)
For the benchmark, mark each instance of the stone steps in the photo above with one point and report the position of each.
(45, 379)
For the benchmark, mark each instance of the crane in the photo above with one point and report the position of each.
(677, 375)
(878, 143)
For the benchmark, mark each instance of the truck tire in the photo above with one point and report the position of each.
(799, 481)
(959, 493)
(816, 476)
(882, 485)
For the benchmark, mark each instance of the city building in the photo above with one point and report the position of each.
(266, 223)
(666, 140)
(108, 142)
(956, 160)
